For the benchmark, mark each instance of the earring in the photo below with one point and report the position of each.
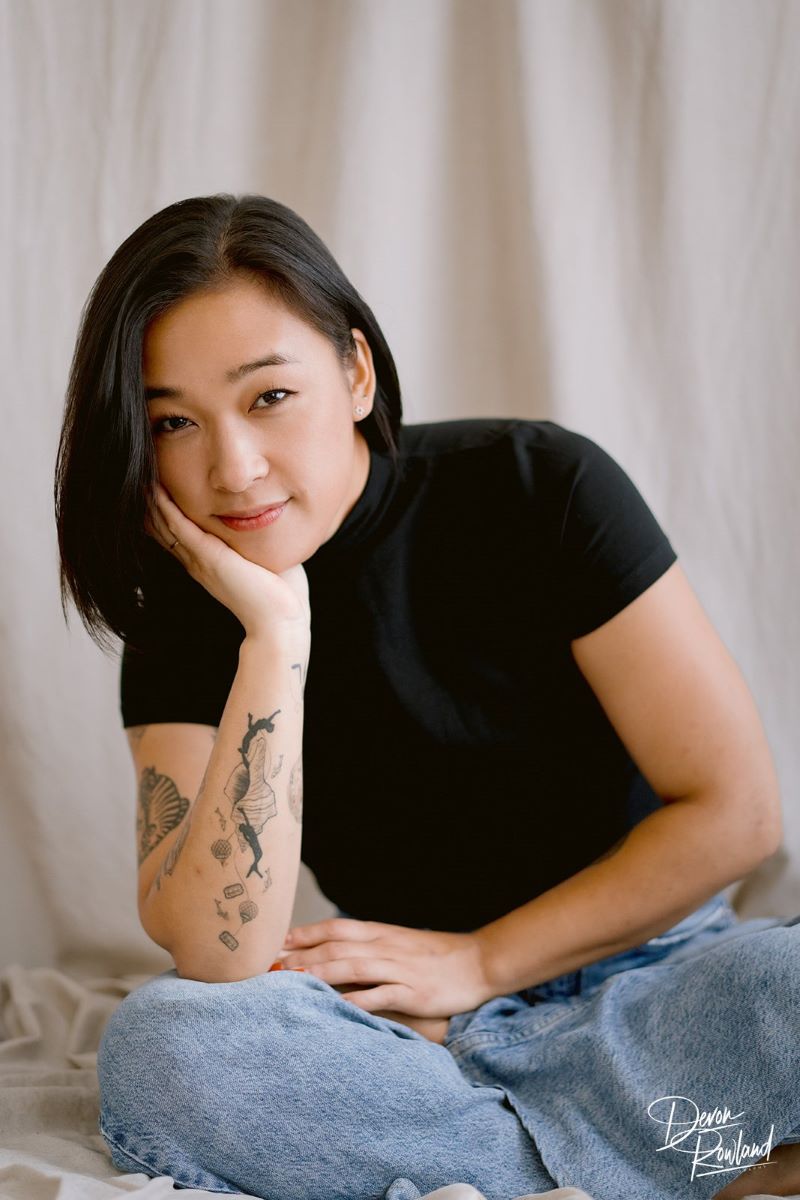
(359, 410)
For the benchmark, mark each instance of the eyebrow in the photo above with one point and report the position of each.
(275, 359)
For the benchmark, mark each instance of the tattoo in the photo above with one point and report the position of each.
(202, 787)
(168, 865)
(248, 910)
(296, 791)
(137, 732)
(161, 809)
(252, 799)
(252, 804)
(299, 672)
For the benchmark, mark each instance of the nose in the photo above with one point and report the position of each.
(237, 461)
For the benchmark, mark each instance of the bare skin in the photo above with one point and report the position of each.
(778, 1177)
(433, 1028)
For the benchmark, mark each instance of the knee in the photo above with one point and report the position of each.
(761, 969)
(773, 961)
(171, 1036)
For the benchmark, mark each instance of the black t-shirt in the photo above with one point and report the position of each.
(456, 762)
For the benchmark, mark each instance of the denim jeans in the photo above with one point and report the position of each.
(278, 1087)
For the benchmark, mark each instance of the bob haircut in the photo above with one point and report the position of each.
(105, 471)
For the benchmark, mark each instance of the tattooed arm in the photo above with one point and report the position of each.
(163, 798)
(218, 874)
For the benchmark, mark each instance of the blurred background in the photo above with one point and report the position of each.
(583, 210)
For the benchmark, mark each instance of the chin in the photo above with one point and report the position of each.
(276, 559)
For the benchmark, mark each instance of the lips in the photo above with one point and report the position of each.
(251, 512)
(260, 519)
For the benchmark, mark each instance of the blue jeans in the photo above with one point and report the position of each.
(277, 1086)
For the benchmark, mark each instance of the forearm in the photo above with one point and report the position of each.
(223, 897)
(666, 866)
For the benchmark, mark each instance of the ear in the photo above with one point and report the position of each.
(362, 374)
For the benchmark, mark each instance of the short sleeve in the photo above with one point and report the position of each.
(182, 660)
(611, 546)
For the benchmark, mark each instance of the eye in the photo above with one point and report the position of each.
(158, 425)
(275, 392)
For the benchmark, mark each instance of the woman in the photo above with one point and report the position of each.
(522, 763)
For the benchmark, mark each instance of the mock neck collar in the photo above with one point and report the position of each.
(365, 517)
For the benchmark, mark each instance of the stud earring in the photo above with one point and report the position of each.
(359, 410)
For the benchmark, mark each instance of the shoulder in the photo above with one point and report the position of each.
(538, 458)
(533, 443)
(431, 439)
(543, 441)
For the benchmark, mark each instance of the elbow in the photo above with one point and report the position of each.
(761, 825)
(751, 823)
(213, 969)
(220, 957)
(153, 927)
(770, 833)
(207, 955)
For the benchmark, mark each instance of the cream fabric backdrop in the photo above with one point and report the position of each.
(584, 210)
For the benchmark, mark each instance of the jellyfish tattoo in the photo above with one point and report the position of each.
(252, 798)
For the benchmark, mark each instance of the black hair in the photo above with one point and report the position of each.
(105, 469)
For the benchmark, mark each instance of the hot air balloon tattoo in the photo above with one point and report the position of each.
(252, 799)
(161, 809)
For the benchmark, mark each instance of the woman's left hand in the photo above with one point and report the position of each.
(421, 972)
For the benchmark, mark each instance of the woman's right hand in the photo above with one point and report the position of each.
(264, 602)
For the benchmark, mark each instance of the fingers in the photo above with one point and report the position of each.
(155, 524)
(166, 523)
(354, 970)
(377, 1000)
(326, 952)
(346, 928)
(156, 527)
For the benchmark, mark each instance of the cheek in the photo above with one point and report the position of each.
(167, 469)
(177, 476)
(330, 456)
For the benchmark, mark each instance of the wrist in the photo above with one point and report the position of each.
(287, 642)
(483, 949)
